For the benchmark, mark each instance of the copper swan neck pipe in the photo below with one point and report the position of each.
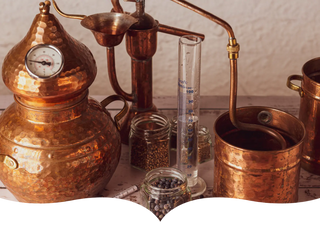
(116, 6)
(233, 50)
(206, 14)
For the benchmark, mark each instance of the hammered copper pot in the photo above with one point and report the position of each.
(251, 165)
(309, 112)
(56, 143)
(61, 153)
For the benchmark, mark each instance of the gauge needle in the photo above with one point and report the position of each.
(42, 62)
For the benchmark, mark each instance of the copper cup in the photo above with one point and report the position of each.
(309, 112)
(251, 165)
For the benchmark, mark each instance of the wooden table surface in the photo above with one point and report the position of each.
(126, 176)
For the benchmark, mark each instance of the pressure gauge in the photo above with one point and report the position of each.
(44, 61)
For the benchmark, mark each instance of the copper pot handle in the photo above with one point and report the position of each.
(123, 111)
(294, 87)
(9, 161)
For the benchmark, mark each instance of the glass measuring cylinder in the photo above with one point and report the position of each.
(188, 106)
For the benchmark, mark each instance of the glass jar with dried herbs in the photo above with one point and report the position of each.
(149, 141)
(204, 142)
(204, 145)
(164, 189)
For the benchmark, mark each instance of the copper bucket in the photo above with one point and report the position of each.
(309, 112)
(249, 165)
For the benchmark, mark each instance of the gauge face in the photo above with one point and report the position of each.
(44, 61)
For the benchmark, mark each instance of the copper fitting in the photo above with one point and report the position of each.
(233, 49)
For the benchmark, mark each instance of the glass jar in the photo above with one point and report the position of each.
(204, 145)
(204, 142)
(164, 189)
(149, 141)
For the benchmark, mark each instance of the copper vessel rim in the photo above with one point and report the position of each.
(86, 18)
(259, 151)
(305, 75)
(67, 106)
(311, 81)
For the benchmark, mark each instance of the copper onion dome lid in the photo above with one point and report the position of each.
(78, 72)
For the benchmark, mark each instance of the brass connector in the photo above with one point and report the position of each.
(233, 49)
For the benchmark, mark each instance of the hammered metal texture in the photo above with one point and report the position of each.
(64, 155)
(66, 145)
(77, 75)
(266, 176)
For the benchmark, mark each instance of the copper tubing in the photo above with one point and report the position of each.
(178, 32)
(116, 6)
(233, 49)
(113, 76)
(207, 15)
(233, 107)
(72, 16)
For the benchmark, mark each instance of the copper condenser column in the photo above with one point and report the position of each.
(141, 43)
(140, 30)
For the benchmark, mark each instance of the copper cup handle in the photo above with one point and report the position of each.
(294, 87)
(123, 111)
(9, 161)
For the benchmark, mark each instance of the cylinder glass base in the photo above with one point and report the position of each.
(199, 188)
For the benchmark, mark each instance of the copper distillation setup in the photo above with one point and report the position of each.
(60, 145)
(267, 171)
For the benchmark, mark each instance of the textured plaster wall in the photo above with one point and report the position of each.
(276, 37)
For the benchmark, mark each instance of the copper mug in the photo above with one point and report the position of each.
(309, 92)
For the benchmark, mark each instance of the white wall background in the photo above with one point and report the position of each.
(276, 37)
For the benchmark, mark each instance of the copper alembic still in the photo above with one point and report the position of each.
(257, 149)
(57, 144)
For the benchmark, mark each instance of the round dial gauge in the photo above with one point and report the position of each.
(44, 61)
